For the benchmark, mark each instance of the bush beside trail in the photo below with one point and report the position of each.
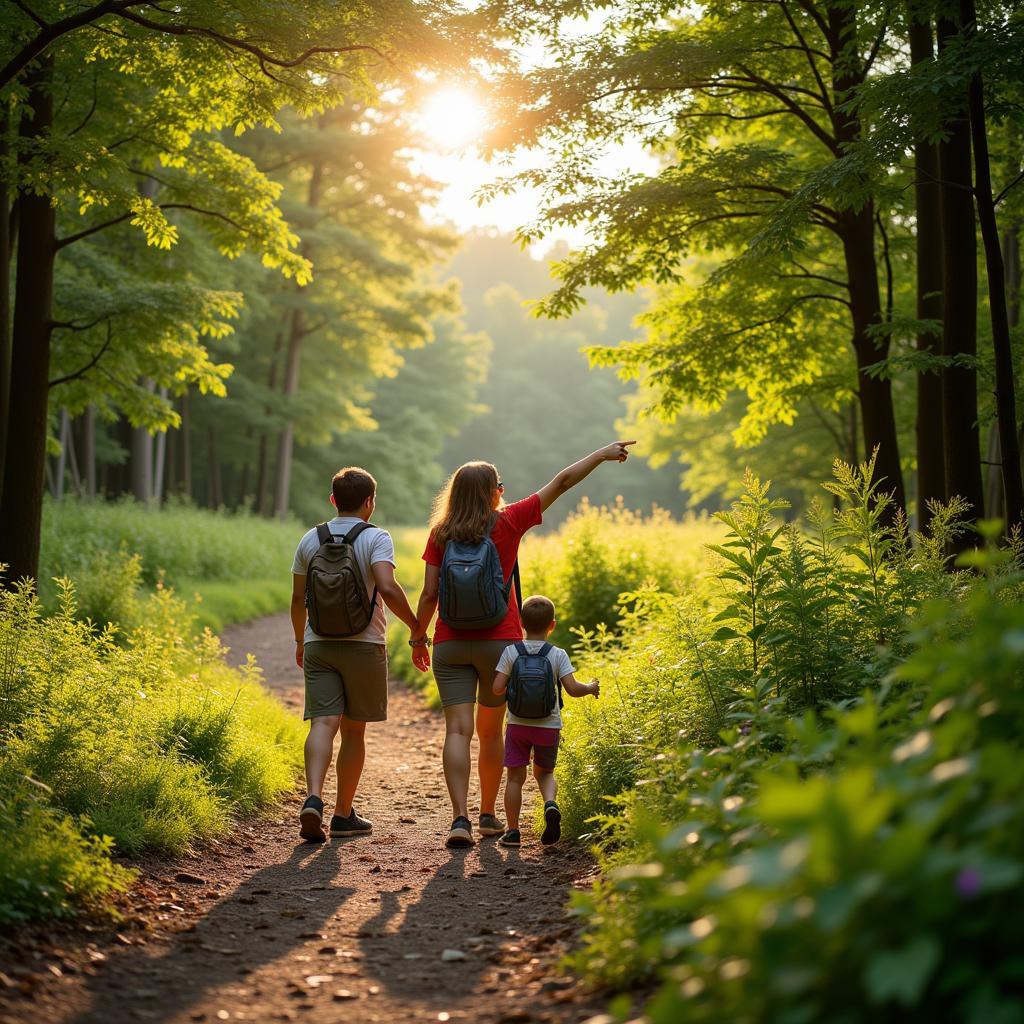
(122, 741)
(807, 794)
(230, 566)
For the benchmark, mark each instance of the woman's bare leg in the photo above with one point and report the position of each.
(492, 754)
(458, 731)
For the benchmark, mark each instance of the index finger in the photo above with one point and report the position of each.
(625, 444)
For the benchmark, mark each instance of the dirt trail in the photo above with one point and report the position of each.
(264, 927)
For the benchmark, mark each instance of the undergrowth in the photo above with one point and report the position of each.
(806, 796)
(133, 741)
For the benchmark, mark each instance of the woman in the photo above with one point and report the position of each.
(465, 660)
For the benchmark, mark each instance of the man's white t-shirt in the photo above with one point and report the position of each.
(372, 546)
(559, 662)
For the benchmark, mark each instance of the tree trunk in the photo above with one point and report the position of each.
(262, 461)
(62, 458)
(5, 296)
(160, 460)
(857, 230)
(931, 465)
(297, 335)
(89, 449)
(25, 463)
(213, 488)
(959, 313)
(1005, 393)
(186, 448)
(142, 458)
(286, 440)
(878, 417)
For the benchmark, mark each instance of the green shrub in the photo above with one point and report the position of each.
(870, 869)
(149, 739)
(848, 842)
(602, 552)
(48, 868)
(233, 565)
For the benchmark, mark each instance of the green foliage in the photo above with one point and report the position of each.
(834, 833)
(147, 745)
(603, 552)
(232, 566)
(48, 868)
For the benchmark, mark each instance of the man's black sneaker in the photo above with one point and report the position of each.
(461, 833)
(490, 826)
(511, 838)
(353, 825)
(552, 824)
(311, 820)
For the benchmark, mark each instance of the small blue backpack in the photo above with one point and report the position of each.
(533, 691)
(473, 591)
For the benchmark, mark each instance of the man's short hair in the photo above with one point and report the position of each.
(351, 487)
(538, 613)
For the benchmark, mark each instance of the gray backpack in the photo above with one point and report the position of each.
(473, 591)
(336, 600)
(533, 691)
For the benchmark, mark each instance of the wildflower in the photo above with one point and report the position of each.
(968, 883)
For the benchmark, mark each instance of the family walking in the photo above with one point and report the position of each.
(492, 660)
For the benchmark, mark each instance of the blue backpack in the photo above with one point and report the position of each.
(533, 691)
(473, 591)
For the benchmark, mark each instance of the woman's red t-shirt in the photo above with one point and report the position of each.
(513, 521)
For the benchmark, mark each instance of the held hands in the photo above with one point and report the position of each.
(616, 452)
(420, 649)
(594, 688)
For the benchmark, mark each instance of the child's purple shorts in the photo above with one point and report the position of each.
(520, 739)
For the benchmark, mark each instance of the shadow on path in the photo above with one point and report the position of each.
(231, 941)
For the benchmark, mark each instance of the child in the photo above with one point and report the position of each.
(537, 734)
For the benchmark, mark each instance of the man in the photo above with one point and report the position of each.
(346, 677)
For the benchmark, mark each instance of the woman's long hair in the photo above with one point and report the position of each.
(465, 505)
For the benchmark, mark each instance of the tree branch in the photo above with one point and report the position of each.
(89, 365)
(78, 236)
(25, 9)
(809, 53)
(242, 44)
(53, 31)
(1009, 188)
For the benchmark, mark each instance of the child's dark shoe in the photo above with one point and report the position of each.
(552, 824)
(511, 838)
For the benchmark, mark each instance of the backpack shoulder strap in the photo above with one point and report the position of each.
(323, 533)
(546, 649)
(350, 537)
(521, 647)
(518, 584)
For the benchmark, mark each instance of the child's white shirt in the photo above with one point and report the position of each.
(562, 667)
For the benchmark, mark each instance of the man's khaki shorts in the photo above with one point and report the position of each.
(346, 677)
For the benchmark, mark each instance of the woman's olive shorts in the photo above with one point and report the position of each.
(465, 670)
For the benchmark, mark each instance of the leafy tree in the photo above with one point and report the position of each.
(116, 95)
(756, 100)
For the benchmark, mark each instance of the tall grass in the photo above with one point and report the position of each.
(139, 740)
(231, 565)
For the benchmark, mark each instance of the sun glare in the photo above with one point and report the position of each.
(452, 119)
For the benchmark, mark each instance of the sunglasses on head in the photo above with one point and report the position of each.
(501, 486)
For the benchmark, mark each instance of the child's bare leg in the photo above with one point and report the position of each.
(545, 782)
(514, 795)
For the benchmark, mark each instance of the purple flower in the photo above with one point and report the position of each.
(968, 883)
